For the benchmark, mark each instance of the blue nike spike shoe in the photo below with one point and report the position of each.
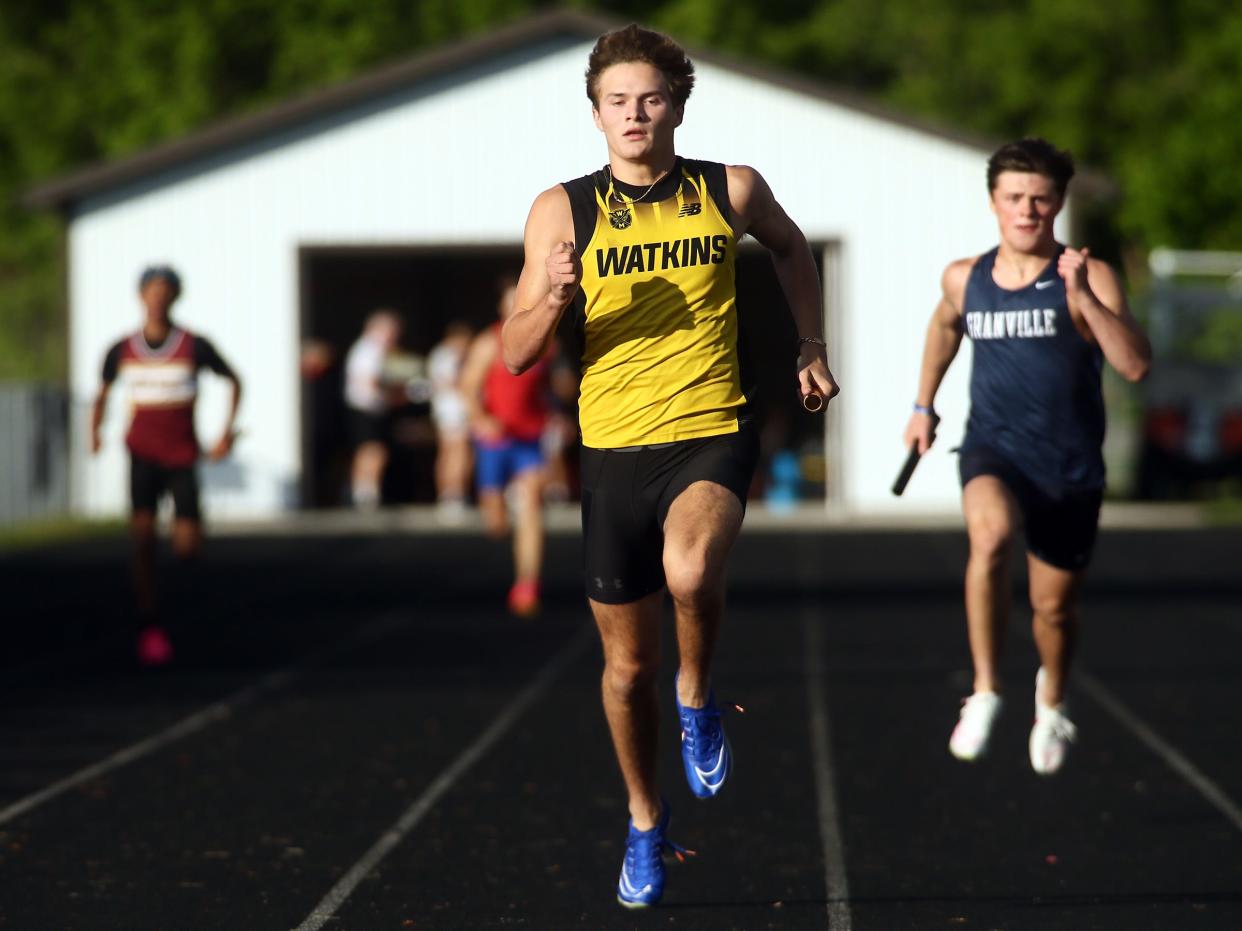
(705, 750)
(642, 872)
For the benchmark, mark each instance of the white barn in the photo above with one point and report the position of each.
(446, 152)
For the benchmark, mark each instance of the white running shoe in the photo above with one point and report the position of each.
(974, 727)
(1052, 733)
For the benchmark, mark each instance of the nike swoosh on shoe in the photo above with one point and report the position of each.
(630, 889)
(706, 774)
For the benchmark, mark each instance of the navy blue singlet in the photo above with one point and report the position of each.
(1035, 395)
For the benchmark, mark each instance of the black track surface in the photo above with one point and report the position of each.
(248, 822)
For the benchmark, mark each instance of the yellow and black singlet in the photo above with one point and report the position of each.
(656, 317)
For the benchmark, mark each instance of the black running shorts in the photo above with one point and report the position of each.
(1061, 526)
(626, 495)
(368, 427)
(149, 480)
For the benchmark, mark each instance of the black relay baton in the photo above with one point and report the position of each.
(912, 460)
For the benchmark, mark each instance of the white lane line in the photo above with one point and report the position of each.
(212, 714)
(345, 886)
(835, 880)
(1214, 794)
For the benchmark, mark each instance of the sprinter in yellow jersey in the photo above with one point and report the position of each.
(644, 250)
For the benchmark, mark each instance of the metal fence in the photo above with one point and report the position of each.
(34, 452)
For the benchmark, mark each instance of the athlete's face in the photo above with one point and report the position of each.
(1025, 205)
(157, 297)
(635, 112)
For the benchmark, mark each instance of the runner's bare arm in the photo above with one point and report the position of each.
(1096, 294)
(474, 368)
(224, 445)
(97, 415)
(756, 211)
(944, 337)
(550, 277)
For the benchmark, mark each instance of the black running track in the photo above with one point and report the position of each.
(357, 737)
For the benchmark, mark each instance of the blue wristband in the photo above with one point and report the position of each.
(920, 409)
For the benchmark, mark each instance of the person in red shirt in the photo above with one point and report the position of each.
(160, 365)
(508, 414)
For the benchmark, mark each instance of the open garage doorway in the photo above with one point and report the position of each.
(429, 288)
(795, 447)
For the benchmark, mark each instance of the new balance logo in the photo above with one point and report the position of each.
(690, 210)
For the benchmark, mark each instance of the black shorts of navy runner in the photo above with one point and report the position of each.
(1060, 525)
(912, 460)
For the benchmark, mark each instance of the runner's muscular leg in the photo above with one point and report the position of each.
(992, 516)
(494, 512)
(187, 538)
(367, 472)
(630, 634)
(702, 523)
(1054, 623)
(453, 466)
(142, 533)
(528, 532)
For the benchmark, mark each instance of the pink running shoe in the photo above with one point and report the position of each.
(154, 647)
(524, 598)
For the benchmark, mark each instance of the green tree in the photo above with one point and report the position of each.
(83, 81)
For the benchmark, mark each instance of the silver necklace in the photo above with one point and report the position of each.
(633, 200)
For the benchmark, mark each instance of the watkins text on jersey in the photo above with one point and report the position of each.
(660, 256)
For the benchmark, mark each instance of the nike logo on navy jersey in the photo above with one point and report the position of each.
(1040, 285)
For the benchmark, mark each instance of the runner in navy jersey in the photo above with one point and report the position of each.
(1043, 318)
(160, 363)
